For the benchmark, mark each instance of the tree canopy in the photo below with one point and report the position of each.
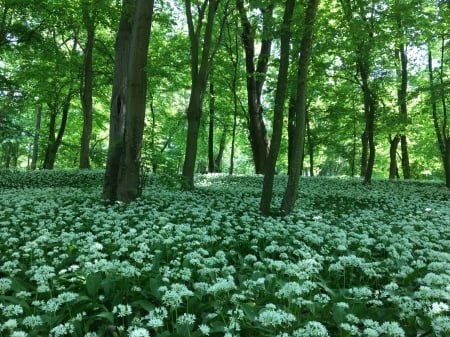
(375, 106)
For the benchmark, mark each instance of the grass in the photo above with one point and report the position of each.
(352, 260)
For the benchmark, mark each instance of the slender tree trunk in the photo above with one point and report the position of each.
(129, 179)
(445, 125)
(118, 109)
(200, 68)
(278, 115)
(86, 90)
(402, 99)
(291, 130)
(219, 157)
(369, 114)
(211, 165)
(441, 134)
(310, 146)
(393, 168)
(37, 132)
(290, 194)
(259, 139)
(54, 143)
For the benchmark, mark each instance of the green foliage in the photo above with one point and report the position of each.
(352, 260)
(50, 178)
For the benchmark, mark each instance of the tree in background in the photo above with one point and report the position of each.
(203, 50)
(290, 193)
(256, 75)
(278, 114)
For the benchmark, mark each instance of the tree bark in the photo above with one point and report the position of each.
(87, 87)
(258, 137)
(200, 67)
(369, 114)
(393, 167)
(290, 194)
(37, 132)
(278, 115)
(53, 142)
(118, 108)
(129, 179)
(403, 110)
(211, 165)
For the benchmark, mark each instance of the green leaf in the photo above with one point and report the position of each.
(93, 282)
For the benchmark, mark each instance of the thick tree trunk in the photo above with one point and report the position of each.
(290, 194)
(129, 180)
(393, 167)
(258, 137)
(447, 162)
(86, 91)
(53, 142)
(364, 153)
(406, 168)
(200, 68)
(118, 109)
(278, 115)
(37, 132)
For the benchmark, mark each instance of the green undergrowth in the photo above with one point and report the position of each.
(351, 260)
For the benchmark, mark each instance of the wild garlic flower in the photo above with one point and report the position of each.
(186, 319)
(311, 329)
(204, 329)
(5, 285)
(62, 330)
(271, 316)
(138, 332)
(122, 310)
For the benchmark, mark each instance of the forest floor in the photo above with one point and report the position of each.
(351, 260)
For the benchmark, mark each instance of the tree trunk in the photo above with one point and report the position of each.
(129, 180)
(219, 157)
(118, 109)
(369, 114)
(37, 132)
(310, 146)
(290, 194)
(255, 79)
(278, 115)
(393, 167)
(211, 165)
(54, 143)
(86, 89)
(200, 68)
(402, 99)
(291, 130)
(447, 162)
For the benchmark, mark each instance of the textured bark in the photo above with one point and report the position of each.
(201, 58)
(118, 108)
(86, 89)
(369, 115)
(258, 137)
(37, 130)
(211, 166)
(54, 142)
(129, 180)
(393, 167)
(280, 97)
(403, 109)
(290, 194)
